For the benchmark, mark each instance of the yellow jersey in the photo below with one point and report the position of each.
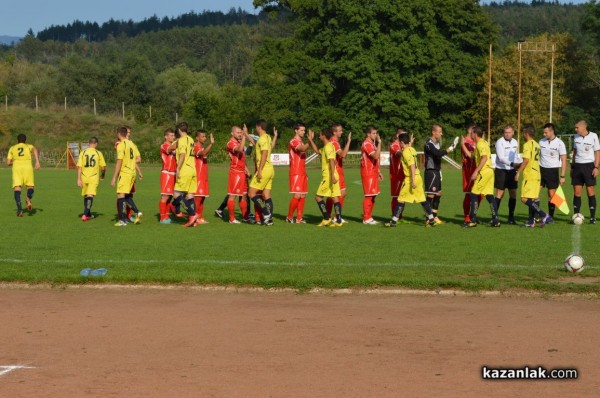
(327, 153)
(185, 146)
(483, 149)
(409, 157)
(91, 162)
(127, 151)
(21, 154)
(531, 151)
(263, 144)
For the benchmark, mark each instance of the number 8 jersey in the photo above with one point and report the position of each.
(127, 151)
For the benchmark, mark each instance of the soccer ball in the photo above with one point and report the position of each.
(578, 219)
(574, 263)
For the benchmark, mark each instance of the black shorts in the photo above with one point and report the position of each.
(550, 177)
(505, 179)
(581, 174)
(433, 181)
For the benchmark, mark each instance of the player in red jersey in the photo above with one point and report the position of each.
(298, 178)
(396, 171)
(167, 176)
(202, 191)
(340, 155)
(237, 185)
(468, 167)
(369, 172)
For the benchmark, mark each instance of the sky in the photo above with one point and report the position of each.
(17, 16)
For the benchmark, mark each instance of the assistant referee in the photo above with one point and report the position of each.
(584, 169)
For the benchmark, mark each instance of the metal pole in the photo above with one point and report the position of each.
(65, 103)
(551, 83)
(150, 106)
(94, 106)
(519, 102)
(123, 107)
(176, 117)
(490, 98)
(6, 103)
(36, 103)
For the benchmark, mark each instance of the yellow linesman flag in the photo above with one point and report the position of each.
(560, 201)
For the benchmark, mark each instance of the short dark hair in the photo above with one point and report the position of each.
(93, 140)
(262, 123)
(298, 125)
(198, 132)
(169, 130)
(335, 126)
(122, 131)
(549, 126)
(529, 130)
(370, 128)
(404, 138)
(328, 133)
(21, 138)
(478, 131)
(183, 126)
(401, 130)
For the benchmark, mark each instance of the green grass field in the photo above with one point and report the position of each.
(53, 245)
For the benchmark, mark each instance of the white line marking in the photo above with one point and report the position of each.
(267, 263)
(7, 369)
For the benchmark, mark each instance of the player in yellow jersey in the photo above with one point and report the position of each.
(19, 156)
(412, 186)
(185, 179)
(330, 182)
(91, 168)
(483, 180)
(263, 178)
(530, 188)
(125, 171)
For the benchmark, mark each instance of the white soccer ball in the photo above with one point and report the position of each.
(574, 263)
(578, 219)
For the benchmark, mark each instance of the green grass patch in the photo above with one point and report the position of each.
(53, 245)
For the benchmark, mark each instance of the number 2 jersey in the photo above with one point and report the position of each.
(531, 151)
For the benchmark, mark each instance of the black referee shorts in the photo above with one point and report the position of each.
(550, 177)
(581, 174)
(505, 179)
(433, 181)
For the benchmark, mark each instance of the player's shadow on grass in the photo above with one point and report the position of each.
(34, 211)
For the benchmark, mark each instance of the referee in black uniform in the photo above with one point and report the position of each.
(433, 169)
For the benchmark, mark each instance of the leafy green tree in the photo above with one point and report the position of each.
(535, 85)
(386, 62)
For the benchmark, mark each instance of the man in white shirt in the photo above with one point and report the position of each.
(584, 169)
(553, 163)
(507, 149)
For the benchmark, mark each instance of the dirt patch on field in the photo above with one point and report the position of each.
(190, 343)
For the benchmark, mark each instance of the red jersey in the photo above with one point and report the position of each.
(201, 163)
(368, 165)
(339, 161)
(297, 157)
(395, 160)
(169, 161)
(469, 163)
(238, 159)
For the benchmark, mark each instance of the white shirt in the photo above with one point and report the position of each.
(551, 151)
(506, 151)
(585, 147)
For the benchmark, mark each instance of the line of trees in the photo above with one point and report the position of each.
(409, 63)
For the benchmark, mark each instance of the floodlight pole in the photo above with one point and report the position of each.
(490, 98)
(552, 81)
(519, 101)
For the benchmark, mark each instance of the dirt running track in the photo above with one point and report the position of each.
(81, 342)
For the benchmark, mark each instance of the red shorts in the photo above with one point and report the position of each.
(237, 184)
(167, 183)
(370, 183)
(202, 188)
(298, 183)
(467, 183)
(395, 185)
(342, 180)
